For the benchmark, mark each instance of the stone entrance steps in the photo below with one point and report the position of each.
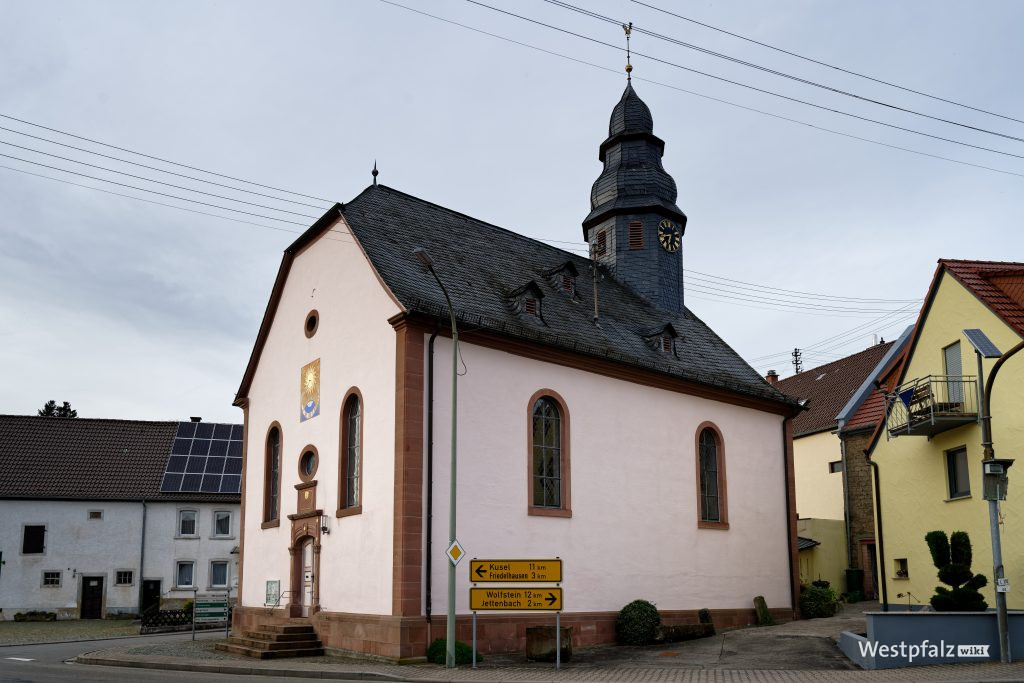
(271, 641)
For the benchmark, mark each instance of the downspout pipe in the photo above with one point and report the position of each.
(430, 473)
(142, 555)
(846, 495)
(881, 536)
(790, 518)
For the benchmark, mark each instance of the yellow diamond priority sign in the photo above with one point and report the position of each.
(455, 552)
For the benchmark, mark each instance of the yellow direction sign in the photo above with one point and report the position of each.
(481, 599)
(515, 571)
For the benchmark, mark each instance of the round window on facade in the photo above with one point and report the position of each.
(308, 463)
(312, 322)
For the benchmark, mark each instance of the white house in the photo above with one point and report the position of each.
(105, 517)
(599, 421)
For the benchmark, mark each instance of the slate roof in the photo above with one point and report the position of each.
(829, 387)
(998, 284)
(482, 264)
(633, 179)
(630, 115)
(88, 459)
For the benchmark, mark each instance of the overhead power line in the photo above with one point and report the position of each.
(170, 206)
(143, 189)
(825, 64)
(155, 168)
(151, 180)
(745, 85)
(156, 158)
(776, 72)
(796, 292)
(701, 95)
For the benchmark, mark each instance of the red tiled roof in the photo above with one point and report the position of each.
(829, 387)
(997, 284)
(87, 459)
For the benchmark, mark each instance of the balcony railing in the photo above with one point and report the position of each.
(932, 404)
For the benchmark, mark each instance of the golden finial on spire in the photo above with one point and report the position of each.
(628, 28)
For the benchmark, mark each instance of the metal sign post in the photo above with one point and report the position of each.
(516, 598)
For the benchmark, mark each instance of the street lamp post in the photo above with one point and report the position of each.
(984, 348)
(428, 264)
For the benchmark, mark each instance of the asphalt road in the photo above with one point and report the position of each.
(32, 663)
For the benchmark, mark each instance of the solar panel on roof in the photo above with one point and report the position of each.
(206, 457)
(982, 344)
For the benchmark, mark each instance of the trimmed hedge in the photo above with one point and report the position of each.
(637, 623)
(437, 653)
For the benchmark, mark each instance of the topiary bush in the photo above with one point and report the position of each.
(817, 602)
(953, 557)
(637, 623)
(437, 653)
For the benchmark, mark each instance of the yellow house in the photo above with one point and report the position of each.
(928, 451)
(833, 502)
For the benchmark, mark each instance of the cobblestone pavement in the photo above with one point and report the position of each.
(24, 632)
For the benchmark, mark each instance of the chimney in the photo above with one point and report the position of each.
(196, 419)
(772, 377)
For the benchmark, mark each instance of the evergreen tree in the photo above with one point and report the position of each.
(51, 409)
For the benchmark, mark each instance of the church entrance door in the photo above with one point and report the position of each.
(307, 576)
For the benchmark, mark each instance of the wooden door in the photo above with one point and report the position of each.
(92, 597)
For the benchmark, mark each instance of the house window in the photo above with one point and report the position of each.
(602, 243)
(549, 455)
(33, 541)
(187, 522)
(954, 372)
(221, 523)
(902, 569)
(711, 491)
(312, 322)
(95, 514)
(184, 574)
(219, 574)
(835, 466)
(957, 473)
(350, 472)
(124, 577)
(272, 476)
(51, 579)
(636, 235)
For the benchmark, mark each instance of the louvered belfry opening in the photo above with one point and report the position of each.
(636, 235)
(568, 284)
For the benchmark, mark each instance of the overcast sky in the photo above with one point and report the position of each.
(130, 309)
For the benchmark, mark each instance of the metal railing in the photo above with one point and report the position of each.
(932, 404)
(270, 608)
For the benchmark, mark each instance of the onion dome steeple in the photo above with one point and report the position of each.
(634, 226)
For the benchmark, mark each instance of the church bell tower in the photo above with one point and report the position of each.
(634, 227)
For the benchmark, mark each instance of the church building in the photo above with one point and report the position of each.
(599, 421)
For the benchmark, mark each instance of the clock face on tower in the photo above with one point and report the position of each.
(670, 236)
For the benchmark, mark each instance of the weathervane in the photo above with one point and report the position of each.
(628, 28)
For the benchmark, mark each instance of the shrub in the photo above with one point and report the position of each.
(704, 616)
(637, 623)
(437, 653)
(855, 596)
(953, 557)
(818, 602)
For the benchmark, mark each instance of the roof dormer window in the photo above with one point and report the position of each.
(527, 300)
(563, 277)
(662, 339)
